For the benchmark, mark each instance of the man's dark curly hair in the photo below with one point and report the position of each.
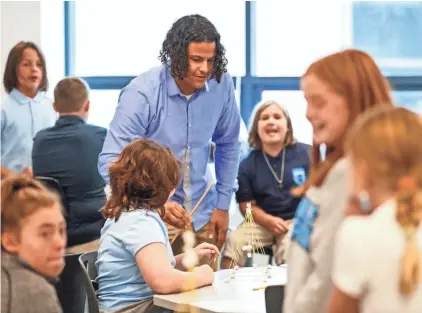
(191, 28)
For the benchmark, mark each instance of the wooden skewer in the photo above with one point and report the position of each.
(264, 287)
(260, 288)
(194, 209)
(201, 199)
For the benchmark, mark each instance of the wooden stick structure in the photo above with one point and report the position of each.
(255, 273)
(251, 242)
(194, 209)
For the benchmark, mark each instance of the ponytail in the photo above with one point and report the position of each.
(22, 196)
(409, 214)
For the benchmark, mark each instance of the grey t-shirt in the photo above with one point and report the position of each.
(310, 257)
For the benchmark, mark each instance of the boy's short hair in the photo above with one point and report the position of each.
(70, 94)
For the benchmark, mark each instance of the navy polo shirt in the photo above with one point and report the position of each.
(69, 153)
(256, 182)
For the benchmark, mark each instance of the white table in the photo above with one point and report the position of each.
(236, 296)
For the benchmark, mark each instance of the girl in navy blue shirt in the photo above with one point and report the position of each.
(276, 164)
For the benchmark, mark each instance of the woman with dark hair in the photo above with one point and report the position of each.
(135, 259)
(26, 110)
(277, 164)
(185, 104)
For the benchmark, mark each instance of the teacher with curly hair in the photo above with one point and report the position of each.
(185, 104)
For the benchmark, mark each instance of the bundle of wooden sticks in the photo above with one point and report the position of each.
(193, 211)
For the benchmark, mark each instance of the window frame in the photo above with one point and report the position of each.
(252, 85)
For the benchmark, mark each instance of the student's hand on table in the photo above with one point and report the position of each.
(176, 215)
(205, 274)
(207, 250)
(219, 224)
(277, 226)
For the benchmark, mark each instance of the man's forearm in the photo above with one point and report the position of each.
(104, 160)
(112, 148)
(179, 258)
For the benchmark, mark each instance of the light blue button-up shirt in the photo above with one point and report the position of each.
(21, 118)
(152, 106)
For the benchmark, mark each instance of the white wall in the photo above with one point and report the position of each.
(37, 21)
(20, 20)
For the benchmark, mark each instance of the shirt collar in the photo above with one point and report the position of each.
(22, 99)
(70, 119)
(173, 89)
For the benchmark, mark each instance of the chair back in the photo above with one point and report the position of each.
(274, 296)
(87, 264)
(71, 295)
(54, 185)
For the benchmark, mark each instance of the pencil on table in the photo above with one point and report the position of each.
(263, 287)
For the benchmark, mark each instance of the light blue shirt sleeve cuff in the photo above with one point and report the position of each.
(223, 201)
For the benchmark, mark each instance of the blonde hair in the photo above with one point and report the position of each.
(253, 140)
(354, 75)
(22, 196)
(388, 141)
(70, 94)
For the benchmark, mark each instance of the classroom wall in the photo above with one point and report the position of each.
(20, 20)
(37, 21)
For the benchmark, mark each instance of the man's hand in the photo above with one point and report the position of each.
(219, 224)
(176, 215)
(277, 226)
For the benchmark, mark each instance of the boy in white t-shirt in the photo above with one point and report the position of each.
(377, 264)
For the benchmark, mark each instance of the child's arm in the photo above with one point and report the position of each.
(276, 225)
(343, 303)
(349, 273)
(179, 259)
(202, 250)
(162, 278)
